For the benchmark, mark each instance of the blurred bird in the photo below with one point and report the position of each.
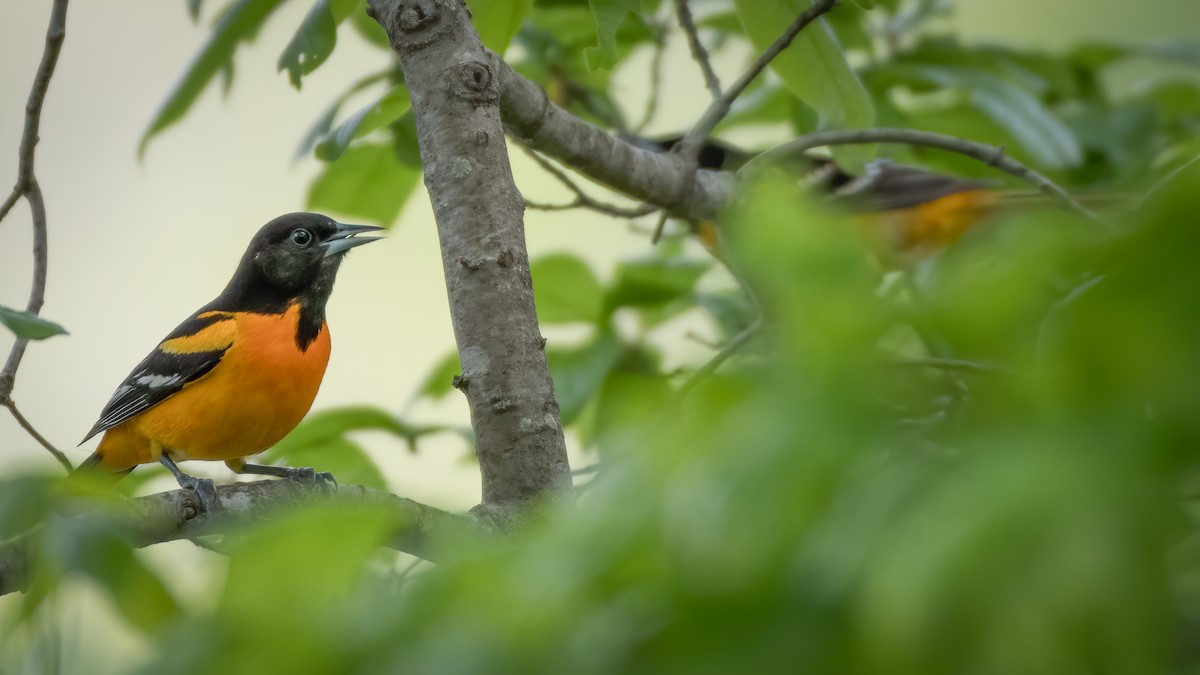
(238, 374)
(906, 213)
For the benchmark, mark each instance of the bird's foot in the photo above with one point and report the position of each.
(307, 474)
(203, 488)
(205, 491)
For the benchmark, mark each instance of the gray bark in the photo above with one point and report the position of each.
(455, 90)
(167, 516)
(666, 179)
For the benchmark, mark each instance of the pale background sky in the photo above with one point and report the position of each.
(135, 247)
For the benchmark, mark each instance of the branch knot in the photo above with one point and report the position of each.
(473, 81)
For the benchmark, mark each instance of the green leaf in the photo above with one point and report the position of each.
(327, 425)
(324, 123)
(1040, 133)
(609, 15)
(24, 503)
(732, 311)
(239, 23)
(29, 326)
(389, 107)
(193, 7)
(438, 382)
(498, 21)
(579, 372)
(814, 68)
(653, 281)
(566, 289)
(99, 553)
(367, 181)
(342, 457)
(1096, 55)
(317, 36)
(370, 30)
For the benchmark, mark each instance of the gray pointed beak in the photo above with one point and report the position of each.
(344, 239)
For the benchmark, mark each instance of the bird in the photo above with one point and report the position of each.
(239, 373)
(906, 213)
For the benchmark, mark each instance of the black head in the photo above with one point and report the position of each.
(295, 257)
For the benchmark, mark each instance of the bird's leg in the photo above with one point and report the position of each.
(305, 474)
(204, 489)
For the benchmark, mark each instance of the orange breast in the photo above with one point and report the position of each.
(260, 390)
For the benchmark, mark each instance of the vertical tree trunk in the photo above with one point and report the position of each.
(454, 87)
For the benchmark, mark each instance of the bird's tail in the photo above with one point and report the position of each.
(94, 477)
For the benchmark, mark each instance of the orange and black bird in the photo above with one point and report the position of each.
(238, 374)
(905, 212)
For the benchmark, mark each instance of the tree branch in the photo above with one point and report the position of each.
(27, 186)
(454, 84)
(168, 516)
(58, 455)
(699, 53)
(988, 154)
(582, 199)
(690, 145)
(664, 179)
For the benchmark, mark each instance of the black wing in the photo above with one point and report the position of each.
(885, 186)
(165, 371)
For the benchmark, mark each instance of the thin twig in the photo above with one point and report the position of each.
(582, 199)
(1165, 180)
(599, 207)
(691, 143)
(944, 363)
(587, 470)
(658, 228)
(10, 202)
(988, 154)
(656, 71)
(27, 186)
(1043, 334)
(722, 356)
(62, 459)
(699, 53)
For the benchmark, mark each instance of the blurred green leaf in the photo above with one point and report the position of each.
(340, 456)
(438, 382)
(367, 181)
(327, 425)
(317, 36)
(133, 587)
(238, 23)
(732, 311)
(193, 7)
(29, 326)
(566, 289)
(24, 503)
(580, 371)
(1040, 133)
(390, 106)
(324, 122)
(814, 68)
(653, 281)
(498, 21)
(609, 15)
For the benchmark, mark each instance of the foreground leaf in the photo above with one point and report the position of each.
(239, 23)
(29, 326)
(317, 36)
(368, 182)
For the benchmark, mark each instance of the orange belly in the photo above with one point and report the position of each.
(260, 390)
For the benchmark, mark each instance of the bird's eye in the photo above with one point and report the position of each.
(301, 236)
